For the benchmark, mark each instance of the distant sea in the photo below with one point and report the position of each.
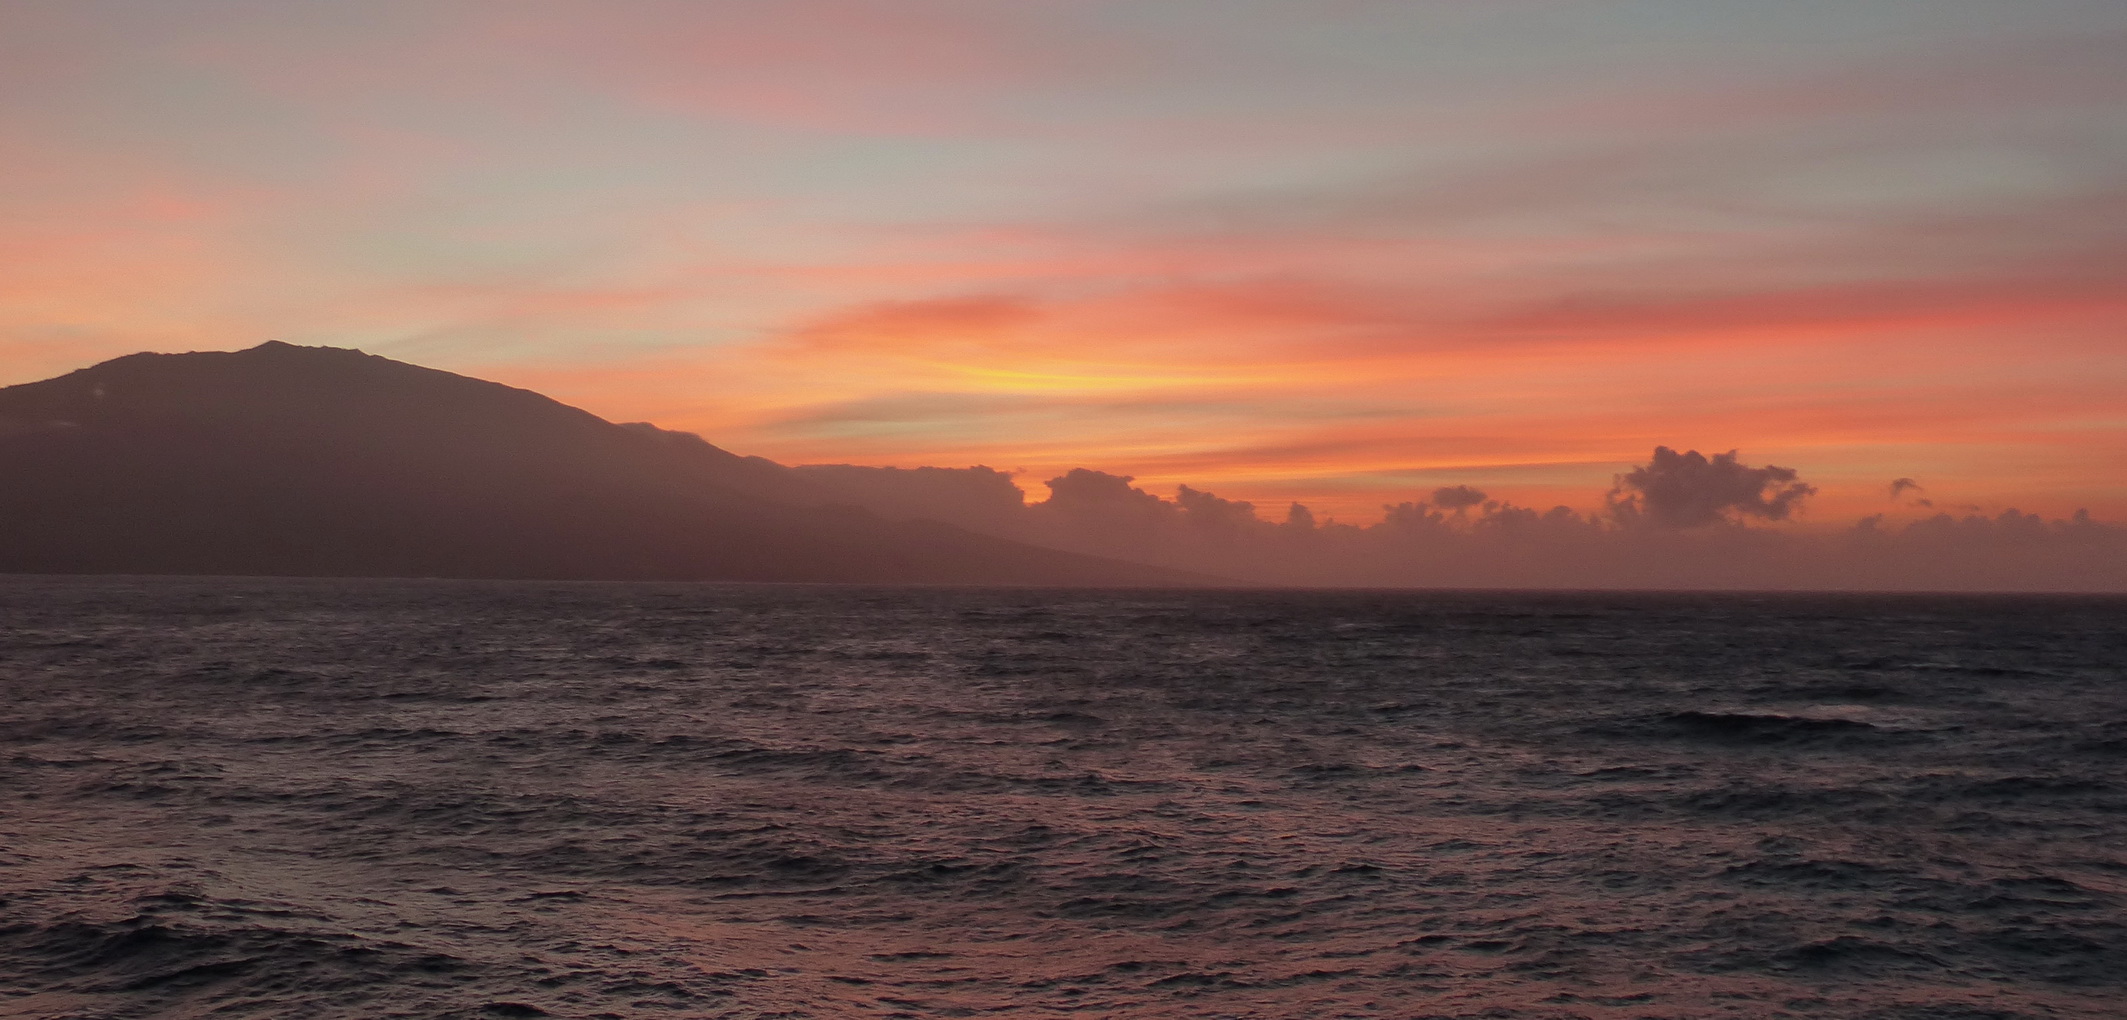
(341, 799)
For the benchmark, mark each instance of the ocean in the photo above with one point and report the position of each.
(335, 798)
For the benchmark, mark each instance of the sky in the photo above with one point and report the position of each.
(1332, 251)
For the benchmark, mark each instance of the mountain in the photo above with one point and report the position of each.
(318, 461)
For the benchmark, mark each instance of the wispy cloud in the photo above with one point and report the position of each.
(1282, 249)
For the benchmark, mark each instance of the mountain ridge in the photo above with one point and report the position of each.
(320, 461)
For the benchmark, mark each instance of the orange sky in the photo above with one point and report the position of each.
(1341, 253)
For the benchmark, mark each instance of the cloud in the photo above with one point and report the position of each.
(980, 498)
(1690, 490)
(1463, 538)
(1176, 244)
(1457, 497)
(1901, 485)
(1206, 510)
(977, 320)
(1098, 495)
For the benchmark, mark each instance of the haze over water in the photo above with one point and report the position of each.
(395, 798)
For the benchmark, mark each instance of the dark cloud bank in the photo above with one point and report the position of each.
(1681, 520)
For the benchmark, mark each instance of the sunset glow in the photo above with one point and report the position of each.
(1338, 253)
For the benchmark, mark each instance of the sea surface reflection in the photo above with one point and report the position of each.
(377, 798)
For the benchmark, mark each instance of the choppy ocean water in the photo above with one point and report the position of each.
(427, 799)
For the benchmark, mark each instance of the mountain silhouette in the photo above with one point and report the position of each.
(318, 461)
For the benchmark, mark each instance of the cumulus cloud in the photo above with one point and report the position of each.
(1457, 497)
(981, 498)
(1097, 494)
(1206, 510)
(1650, 537)
(1691, 490)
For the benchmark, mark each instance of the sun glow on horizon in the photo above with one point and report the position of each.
(1295, 254)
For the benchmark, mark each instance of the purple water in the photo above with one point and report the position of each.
(435, 799)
